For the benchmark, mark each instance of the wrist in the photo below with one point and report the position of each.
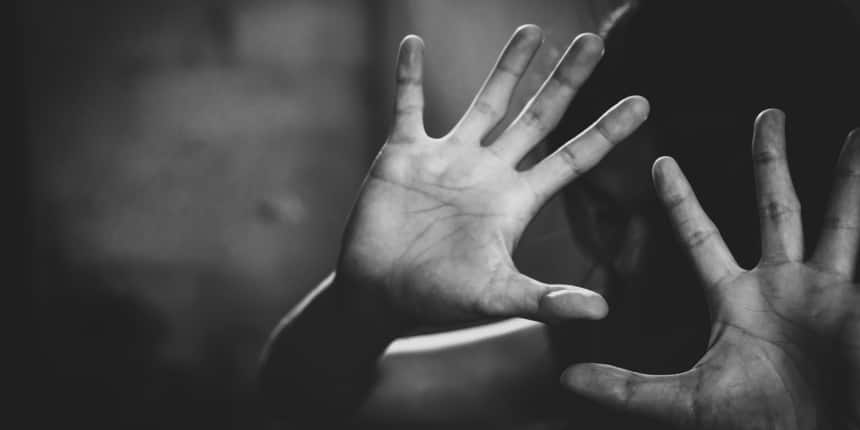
(367, 304)
(323, 355)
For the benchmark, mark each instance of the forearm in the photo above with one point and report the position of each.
(320, 361)
(323, 363)
(499, 375)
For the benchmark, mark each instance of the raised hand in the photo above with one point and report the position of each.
(437, 219)
(785, 342)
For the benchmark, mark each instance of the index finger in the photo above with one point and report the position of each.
(698, 233)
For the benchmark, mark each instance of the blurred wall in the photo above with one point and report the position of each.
(193, 163)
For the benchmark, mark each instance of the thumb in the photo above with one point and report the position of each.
(554, 302)
(665, 397)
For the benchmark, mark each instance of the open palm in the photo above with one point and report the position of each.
(785, 341)
(437, 219)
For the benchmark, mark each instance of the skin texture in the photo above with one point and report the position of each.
(784, 351)
(433, 229)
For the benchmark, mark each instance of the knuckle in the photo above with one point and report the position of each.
(567, 78)
(698, 237)
(840, 223)
(603, 131)
(572, 161)
(847, 174)
(505, 69)
(487, 109)
(778, 211)
(766, 156)
(674, 199)
(534, 119)
(628, 393)
(407, 79)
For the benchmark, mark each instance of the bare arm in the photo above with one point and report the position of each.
(488, 376)
(319, 363)
(494, 376)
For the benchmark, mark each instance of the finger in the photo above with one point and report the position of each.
(409, 93)
(523, 296)
(778, 207)
(546, 108)
(584, 151)
(491, 103)
(837, 249)
(667, 397)
(702, 239)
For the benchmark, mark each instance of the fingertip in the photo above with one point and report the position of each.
(665, 397)
(854, 136)
(662, 169)
(640, 106)
(851, 150)
(529, 32)
(661, 165)
(601, 382)
(412, 41)
(589, 43)
(410, 58)
(769, 128)
(571, 377)
(599, 307)
(770, 114)
(573, 302)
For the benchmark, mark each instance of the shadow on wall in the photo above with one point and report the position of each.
(193, 163)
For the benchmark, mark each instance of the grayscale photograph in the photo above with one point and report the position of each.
(439, 214)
